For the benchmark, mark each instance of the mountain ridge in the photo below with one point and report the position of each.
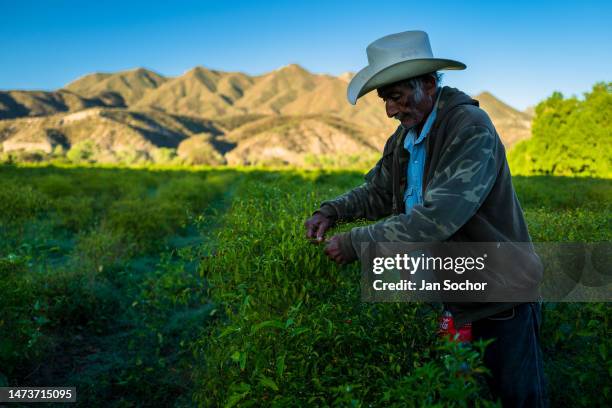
(271, 104)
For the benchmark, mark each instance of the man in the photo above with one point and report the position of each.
(443, 176)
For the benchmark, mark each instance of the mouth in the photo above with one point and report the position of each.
(404, 119)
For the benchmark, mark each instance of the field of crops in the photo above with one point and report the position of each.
(177, 287)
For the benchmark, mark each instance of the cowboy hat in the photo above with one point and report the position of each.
(396, 57)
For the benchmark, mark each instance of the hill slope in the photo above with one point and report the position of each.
(107, 132)
(512, 125)
(200, 92)
(290, 90)
(293, 139)
(15, 104)
(132, 85)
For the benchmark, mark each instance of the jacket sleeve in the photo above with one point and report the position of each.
(464, 177)
(371, 200)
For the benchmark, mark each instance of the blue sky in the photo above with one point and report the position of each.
(521, 51)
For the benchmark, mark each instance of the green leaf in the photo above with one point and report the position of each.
(269, 323)
(236, 356)
(234, 399)
(242, 360)
(228, 331)
(280, 365)
(268, 382)
(603, 351)
(299, 330)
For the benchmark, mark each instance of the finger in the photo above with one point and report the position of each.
(321, 230)
(313, 241)
(310, 229)
(339, 259)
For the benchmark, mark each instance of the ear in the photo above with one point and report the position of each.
(429, 85)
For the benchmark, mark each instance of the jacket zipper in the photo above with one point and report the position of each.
(396, 173)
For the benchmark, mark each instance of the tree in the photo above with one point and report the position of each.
(569, 136)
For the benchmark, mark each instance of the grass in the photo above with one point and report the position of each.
(177, 287)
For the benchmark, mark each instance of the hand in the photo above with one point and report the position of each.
(333, 250)
(316, 226)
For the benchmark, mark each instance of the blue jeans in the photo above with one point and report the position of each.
(514, 358)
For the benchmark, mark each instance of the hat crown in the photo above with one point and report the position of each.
(394, 58)
(397, 47)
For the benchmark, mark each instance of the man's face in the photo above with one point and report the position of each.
(400, 102)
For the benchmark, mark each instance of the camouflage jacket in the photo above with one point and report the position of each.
(467, 191)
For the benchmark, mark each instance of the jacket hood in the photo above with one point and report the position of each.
(451, 98)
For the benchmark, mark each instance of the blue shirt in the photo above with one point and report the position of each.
(416, 166)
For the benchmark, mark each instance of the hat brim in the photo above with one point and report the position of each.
(371, 78)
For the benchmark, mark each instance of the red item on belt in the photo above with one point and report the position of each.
(447, 328)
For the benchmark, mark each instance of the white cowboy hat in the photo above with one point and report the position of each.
(396, 57)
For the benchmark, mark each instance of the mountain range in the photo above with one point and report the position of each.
(212, 116)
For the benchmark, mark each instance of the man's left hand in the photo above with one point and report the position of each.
(339, 250)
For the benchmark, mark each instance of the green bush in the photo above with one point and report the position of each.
(23, 339)
(82, 152)
(164, 155)
(576, 344)
(55, 185)
(99, 249)
(191, 190)
(75, 213)
(294, 330)
(19, 203)
(570, 137)
(144, 223)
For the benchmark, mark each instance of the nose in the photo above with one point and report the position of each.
(391, 109)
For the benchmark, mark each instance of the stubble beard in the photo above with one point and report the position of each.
(414, 121)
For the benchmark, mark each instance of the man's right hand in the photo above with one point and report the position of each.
(316, 226)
